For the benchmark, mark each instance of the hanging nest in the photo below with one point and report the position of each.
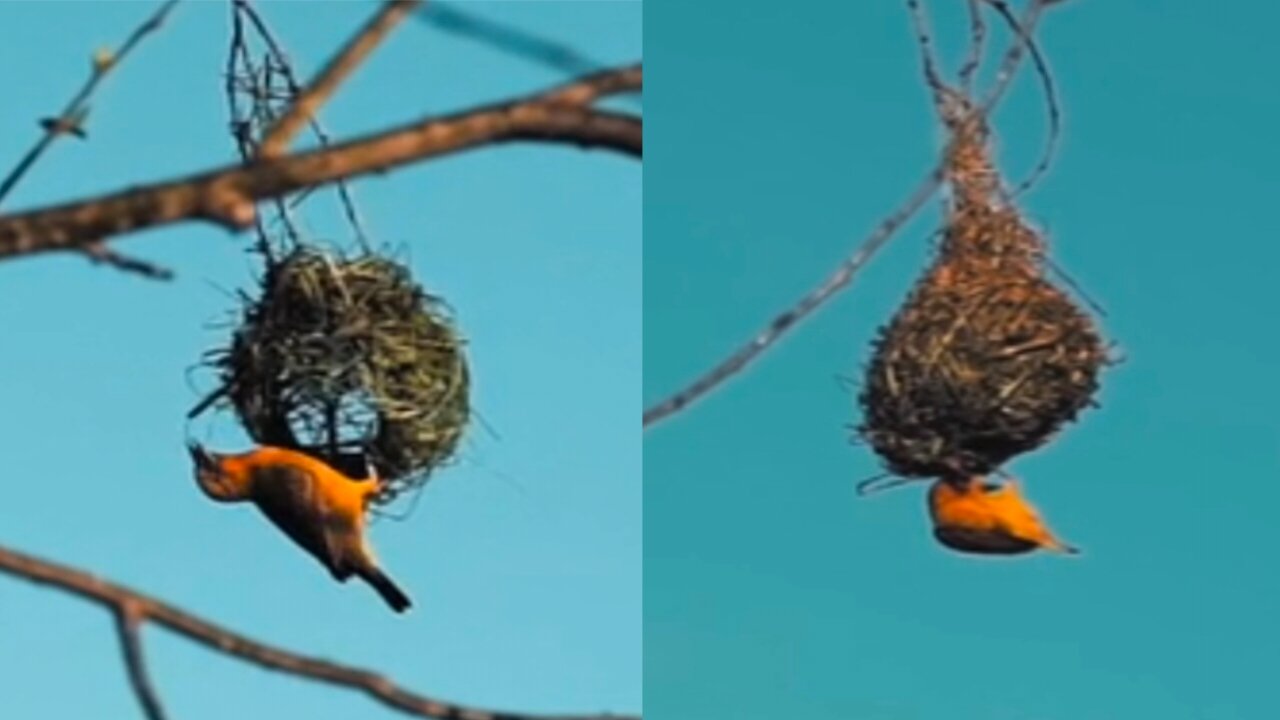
(986, 359)
(348, 359)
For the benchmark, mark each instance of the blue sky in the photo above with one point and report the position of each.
(779, 135)
(524, 559)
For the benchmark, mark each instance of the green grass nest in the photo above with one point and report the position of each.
(349, 357)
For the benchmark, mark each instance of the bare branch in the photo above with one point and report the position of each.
(465, 23)
(276, 50)
(141, 608)
(72, 117)
(128, 626)
(226, 196)
(977, 45)
(511, 40)
(241, 126)
(776, 328)
(304, 106)
(1046, 82)
(100, 253)
(928, 58)
(590, 88)
(1009, 65)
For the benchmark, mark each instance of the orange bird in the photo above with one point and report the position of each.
(974, 516)
(318, 507)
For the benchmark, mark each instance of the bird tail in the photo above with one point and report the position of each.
(1053, 544)
(389, 591)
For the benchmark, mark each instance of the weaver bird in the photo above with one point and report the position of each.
(974, 516)
(321, 509)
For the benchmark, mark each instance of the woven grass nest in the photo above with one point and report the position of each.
(348, 358)
(986, 359)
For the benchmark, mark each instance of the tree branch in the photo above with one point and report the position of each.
(304, 106)
(72, 117)
(598, 85)
(783, 322)
(507, 38)
(510, 39)
(226, 196)
(243, 133)
(133, 608)
(98, 252)
(128, 625)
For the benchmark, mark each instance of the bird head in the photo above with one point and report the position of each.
(212, 476)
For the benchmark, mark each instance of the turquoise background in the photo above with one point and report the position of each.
(524, 559)
(779, 135)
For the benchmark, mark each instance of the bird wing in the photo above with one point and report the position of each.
(982, 542)
(288, 496)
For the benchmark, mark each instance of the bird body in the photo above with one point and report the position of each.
(974, 516)
(318, 507)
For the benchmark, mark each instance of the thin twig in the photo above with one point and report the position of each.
(1050, 95)
(924, 41)
(882, 482)
(1009, 65)
(71, 120)
(843, 275)
(98, 252)
(128, 626)
(977, 35)
(139, 608)
(551, 53)
(241, 127)
(226, 196)
(596, 86)
(276, 51)
(304, 106)
(260, 88)
(512, 40)
(977, 46)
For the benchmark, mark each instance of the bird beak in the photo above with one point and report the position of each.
(202, 459)
(210, 475)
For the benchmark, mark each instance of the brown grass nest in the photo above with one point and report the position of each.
(349, 358)
(986, 359)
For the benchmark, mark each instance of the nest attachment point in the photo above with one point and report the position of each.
(985, 360)
(349, 358)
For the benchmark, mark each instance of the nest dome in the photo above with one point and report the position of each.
(349, 357)
(985, 360)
